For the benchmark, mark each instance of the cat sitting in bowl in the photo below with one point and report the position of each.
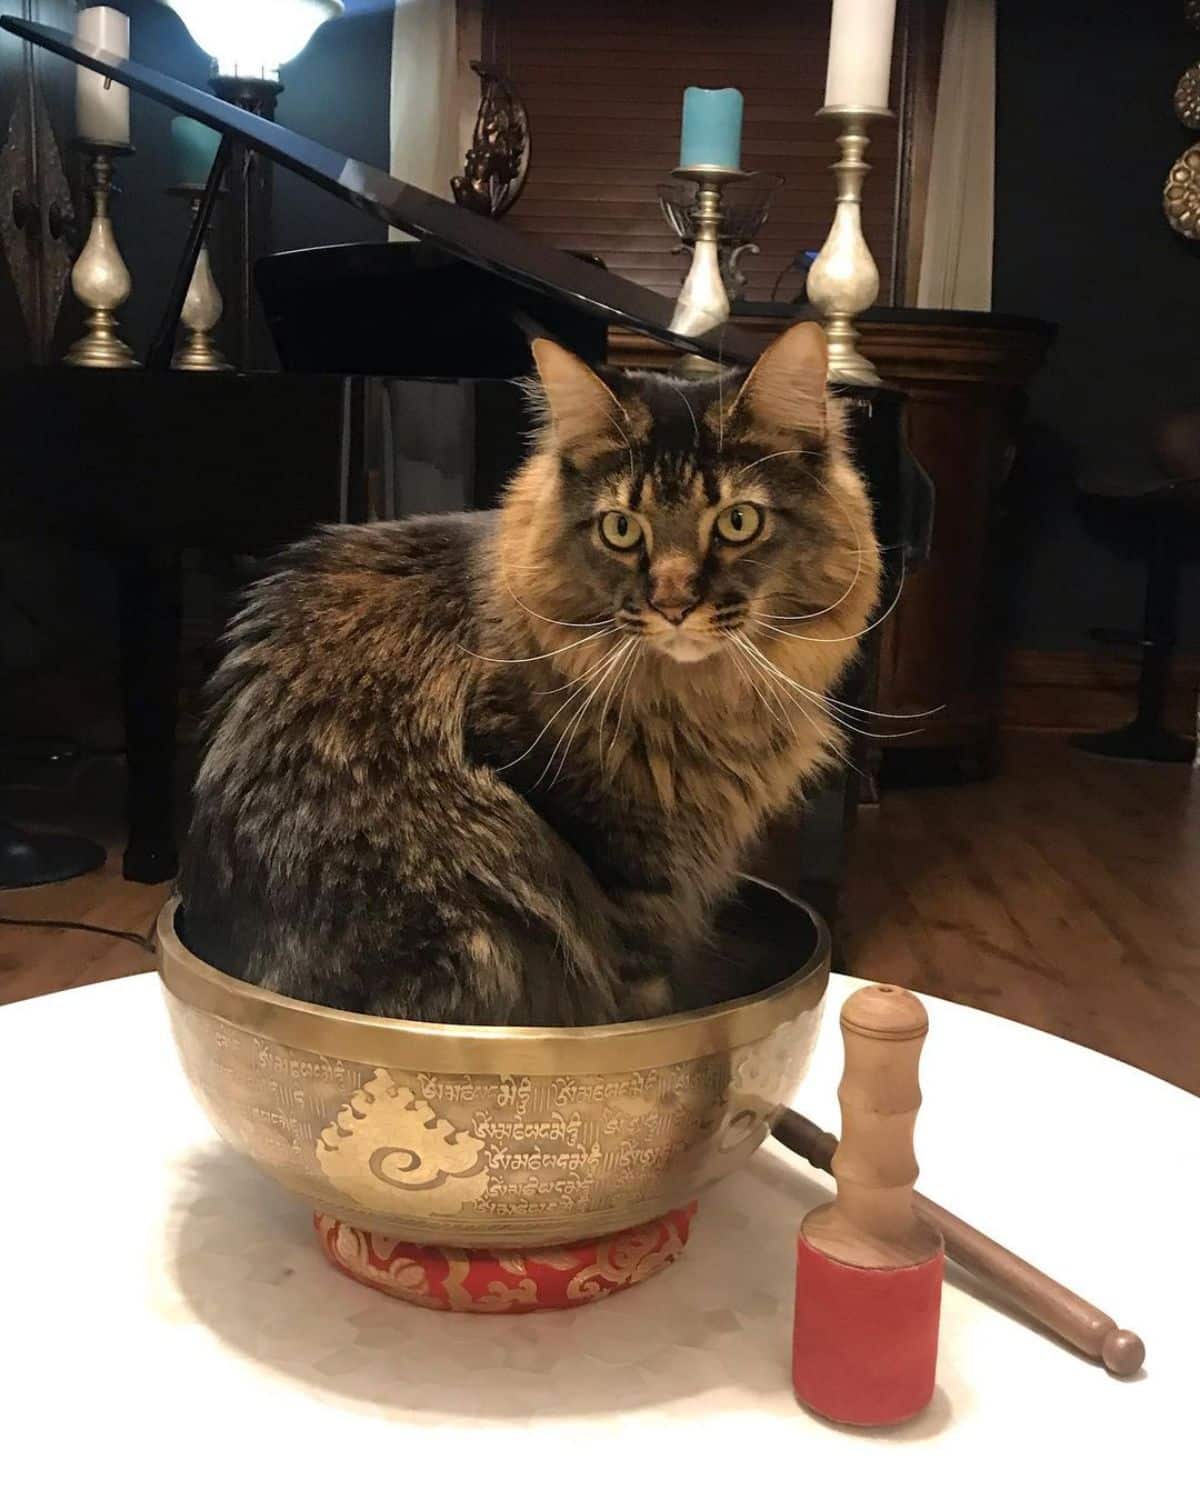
(500, 768)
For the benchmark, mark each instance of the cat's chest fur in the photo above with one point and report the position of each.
(685, 778)
(722, 771)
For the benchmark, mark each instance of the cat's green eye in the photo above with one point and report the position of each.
(620, 530)
(738, 523)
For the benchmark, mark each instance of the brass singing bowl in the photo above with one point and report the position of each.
(510, 1136)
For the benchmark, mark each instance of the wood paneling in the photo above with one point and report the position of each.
(1089, 690)
(603, 82)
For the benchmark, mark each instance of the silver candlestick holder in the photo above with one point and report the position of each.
(703, 302)
(843, 281)
(100, 278)
(745, 208)
(203, 306)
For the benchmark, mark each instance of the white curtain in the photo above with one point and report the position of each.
(956, 252)
(425, 94)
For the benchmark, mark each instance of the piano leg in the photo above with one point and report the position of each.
(149, 587)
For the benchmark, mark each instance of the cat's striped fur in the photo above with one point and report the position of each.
(496, 769)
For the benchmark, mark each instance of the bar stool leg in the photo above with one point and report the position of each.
(1147, 737)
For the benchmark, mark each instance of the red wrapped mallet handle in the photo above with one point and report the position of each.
(868, 1271)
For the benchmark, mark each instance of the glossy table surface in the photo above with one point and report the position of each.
(170, 1326)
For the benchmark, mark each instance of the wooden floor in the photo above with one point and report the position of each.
(1065, 893)
(38, 961)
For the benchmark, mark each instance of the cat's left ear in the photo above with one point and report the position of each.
(785, 391)
(584, 413)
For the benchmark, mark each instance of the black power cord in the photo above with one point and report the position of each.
(802, 262)
(146, 943)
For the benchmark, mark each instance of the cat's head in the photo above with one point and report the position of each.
(684, 511)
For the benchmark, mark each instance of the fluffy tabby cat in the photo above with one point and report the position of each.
(498, 768)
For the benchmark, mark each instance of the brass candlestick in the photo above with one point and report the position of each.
(202, 309)
(703, 302)
(100, 278)
(844, 279)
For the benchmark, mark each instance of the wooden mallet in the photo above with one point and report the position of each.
(1043, 1299)
(868, 1271)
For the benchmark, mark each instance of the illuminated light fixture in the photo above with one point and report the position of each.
(248, 42)
(252, 39)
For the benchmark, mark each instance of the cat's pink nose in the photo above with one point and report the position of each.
(673, 607)
(672, 592)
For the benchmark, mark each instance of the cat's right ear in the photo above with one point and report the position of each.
(583, 413)
(786, 390)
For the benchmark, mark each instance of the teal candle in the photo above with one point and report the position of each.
(193, 147)
(712, 128)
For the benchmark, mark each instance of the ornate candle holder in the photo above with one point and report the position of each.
(744, 210)
(202, 308)
(844, 279)
(703, 302)
(100, 278)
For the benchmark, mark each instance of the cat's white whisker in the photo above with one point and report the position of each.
(850, 587)
(782, 453)
(763, 623)
(821, 730)
(744, 674)
(583, 676)
(721, 388)
(624, 436)
(604, 710)
(546, 620)
(763, 676)
(521, 661)
(635, 659)
(568, 734)
(875, 713)
(820, 699)
(614, 671)
(678, 389)
(557, 714)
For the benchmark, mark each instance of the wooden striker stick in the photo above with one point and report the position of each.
(1048, 1302)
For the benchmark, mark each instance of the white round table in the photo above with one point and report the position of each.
(169, 1325)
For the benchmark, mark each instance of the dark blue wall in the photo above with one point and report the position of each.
(337, 91)
(1085, 137)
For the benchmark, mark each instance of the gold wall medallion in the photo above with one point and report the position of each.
(1181, 196)
(1187, 98)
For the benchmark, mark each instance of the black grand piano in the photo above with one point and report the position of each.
(396, 396)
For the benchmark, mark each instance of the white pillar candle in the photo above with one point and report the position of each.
(101, 107)
(860, 54)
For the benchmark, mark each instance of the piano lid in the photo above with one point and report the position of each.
(465, 234)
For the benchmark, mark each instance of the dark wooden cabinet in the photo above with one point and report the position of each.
(964, 376)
